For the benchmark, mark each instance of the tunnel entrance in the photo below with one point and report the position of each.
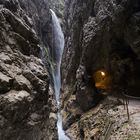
(102, 80)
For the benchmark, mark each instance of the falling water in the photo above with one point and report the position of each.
(58, 46)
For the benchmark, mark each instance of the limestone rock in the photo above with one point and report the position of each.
(99, 35)
(25, 98)
(5, 83)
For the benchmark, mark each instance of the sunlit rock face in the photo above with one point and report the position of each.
(99, 35)
(27, 106)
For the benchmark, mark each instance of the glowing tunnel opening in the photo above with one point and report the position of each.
(102, 79)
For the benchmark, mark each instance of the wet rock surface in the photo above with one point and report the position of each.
(100, 35)
(26, 97)
(108, 121)
(39, 12)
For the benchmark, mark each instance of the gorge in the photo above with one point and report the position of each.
(67, 67)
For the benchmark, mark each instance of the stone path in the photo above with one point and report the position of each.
(109, 121)
(128, 130)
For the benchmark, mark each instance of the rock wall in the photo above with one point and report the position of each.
(39, 12)
(27, 106)
(100, 35)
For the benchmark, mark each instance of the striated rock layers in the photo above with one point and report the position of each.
(100, 34)
(27, 107)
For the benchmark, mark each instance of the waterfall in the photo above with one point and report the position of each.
(57, 51)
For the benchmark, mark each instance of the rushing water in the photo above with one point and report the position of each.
(58, 46)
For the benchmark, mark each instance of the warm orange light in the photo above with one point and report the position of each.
(102, 73)
(102, 79)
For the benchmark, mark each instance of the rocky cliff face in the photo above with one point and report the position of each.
(100, 35)
(27, 106)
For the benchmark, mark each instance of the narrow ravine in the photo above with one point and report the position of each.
(58, 46)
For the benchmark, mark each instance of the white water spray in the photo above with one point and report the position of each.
(58, 46)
